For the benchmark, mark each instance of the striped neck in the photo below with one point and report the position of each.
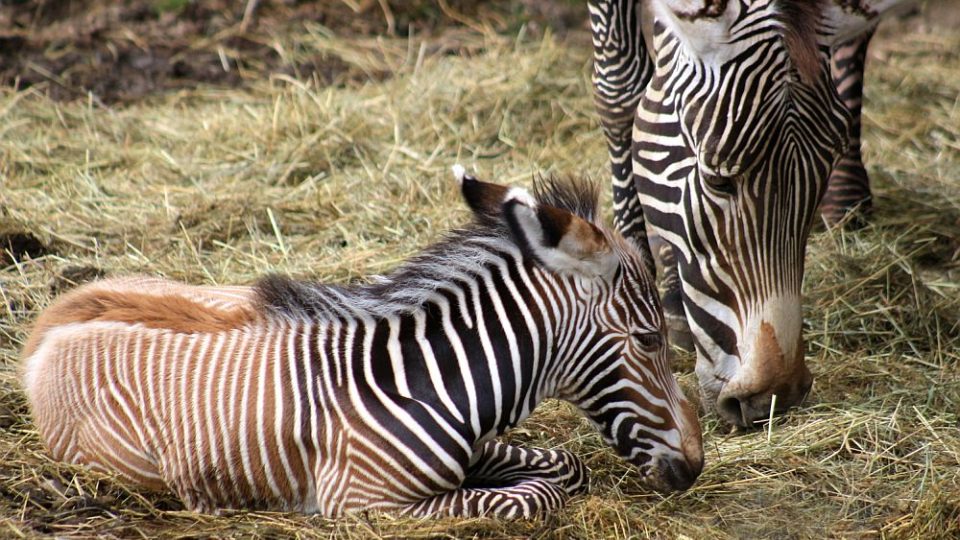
(474, 337)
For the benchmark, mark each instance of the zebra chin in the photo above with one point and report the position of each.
(671, 461)
(672, 473)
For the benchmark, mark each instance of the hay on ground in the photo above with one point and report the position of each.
(333, 183)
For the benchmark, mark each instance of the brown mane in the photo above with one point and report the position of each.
(800, 19)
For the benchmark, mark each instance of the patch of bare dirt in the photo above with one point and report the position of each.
(73, 276)
(121, 51)
(17, 245)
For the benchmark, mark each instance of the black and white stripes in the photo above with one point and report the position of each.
(735, 133)
(332, 399)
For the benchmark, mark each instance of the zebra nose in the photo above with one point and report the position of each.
(681, 473)
(750, 409)
(767, 383)
(680, 470)
(746, 411)
(730, 410)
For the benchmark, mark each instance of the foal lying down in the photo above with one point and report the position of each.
(385, 396)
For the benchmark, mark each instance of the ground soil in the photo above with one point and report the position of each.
(120, 51)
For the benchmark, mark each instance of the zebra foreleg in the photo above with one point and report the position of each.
(848, 189)
(621, 71)
(500, 464)
(670, 294)
(505, 481)
(524, 500)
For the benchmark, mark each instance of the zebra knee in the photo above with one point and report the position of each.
(532, 499)
(848, 200)
(578, 478)
(672, 298)
(569, 471)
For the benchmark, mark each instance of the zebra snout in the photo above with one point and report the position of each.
(744, 411)
(678, 470)
(772, 377)
(748, 409)
(678, 473)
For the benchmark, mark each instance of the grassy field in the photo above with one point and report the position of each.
(333, 182)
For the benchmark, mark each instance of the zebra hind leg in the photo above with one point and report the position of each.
(848, 189)
(510, 482)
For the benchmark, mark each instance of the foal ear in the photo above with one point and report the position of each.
(557, 239)
(484, 198)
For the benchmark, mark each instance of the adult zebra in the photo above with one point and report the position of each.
(334, 399)
(724, 123)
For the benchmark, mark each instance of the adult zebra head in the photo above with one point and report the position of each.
(738, 125)
(609, 352)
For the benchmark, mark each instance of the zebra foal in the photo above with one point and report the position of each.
(332, 399)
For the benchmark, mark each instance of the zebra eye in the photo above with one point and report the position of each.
(647, 340)
(721, 183)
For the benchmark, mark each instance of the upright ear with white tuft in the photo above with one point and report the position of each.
(484, 198)
(557, 239)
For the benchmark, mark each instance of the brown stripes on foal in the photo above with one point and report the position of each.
(187, 384)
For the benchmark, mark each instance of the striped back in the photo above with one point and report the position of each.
(328, 398)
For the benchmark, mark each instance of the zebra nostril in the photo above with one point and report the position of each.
(731, 410)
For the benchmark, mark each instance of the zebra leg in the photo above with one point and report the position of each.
(621, 70)
(678, 329)
(848, 189)
(505, 481)
(499, 464)
(523, 500)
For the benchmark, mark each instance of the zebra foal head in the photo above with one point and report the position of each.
(602, 319)
(735, 136)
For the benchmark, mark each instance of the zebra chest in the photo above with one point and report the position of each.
(380, 456)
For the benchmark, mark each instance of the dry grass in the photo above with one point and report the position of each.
(217, 186)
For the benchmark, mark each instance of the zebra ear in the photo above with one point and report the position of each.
(484, 198)
(841, 23)
(557, 239)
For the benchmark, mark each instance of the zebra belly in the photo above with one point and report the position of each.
(225, 420)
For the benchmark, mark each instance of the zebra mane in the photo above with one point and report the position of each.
(800, 19)
(577, 195)
(461, 254)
